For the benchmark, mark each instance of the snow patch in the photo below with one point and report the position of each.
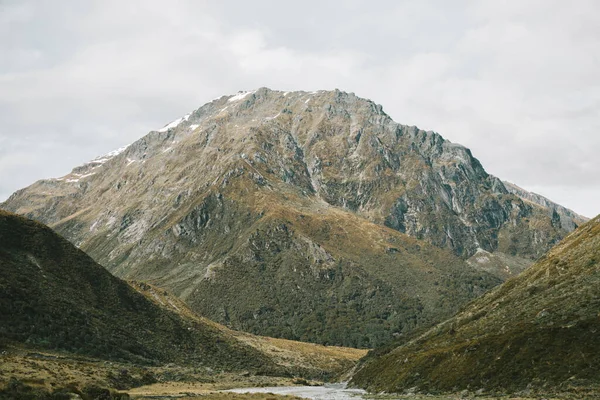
(116, 152)
(270, 118)
(79, 176)
(130, 161)
(175, 123)
(98, 161)
(194, 127)
(240, 95)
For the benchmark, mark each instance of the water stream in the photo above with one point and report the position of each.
(334, 391)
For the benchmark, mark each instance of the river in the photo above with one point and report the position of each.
(335, 391)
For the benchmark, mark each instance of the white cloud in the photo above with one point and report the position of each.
(517, 81)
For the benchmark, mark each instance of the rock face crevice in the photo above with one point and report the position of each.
(179, 206)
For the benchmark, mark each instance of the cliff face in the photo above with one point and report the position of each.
(537, 331)
(316, 198)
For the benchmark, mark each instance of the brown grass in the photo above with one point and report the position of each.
(52, 371)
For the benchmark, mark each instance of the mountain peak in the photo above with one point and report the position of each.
(332, 145)
(313, 192)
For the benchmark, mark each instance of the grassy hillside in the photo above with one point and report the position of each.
(317, 273)
(538, 331)
(54, 296)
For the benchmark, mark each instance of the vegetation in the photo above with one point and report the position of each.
(536, 332)
(302, 359)
(56, 297)
(41, 375)
(328, 276)
(16, 389)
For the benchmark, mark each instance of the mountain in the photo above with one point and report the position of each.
(290, 214)
(537, 331)
(54, 296)
(569, 219)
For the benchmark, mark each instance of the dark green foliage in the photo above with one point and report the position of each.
(16, 389)
(283, 286)
(124, 380)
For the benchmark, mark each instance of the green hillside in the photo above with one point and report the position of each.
(56, 297)
(538, 331)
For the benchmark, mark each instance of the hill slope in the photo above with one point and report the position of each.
(56, 297)
(286, 213)
(538, 330)
(297, 358)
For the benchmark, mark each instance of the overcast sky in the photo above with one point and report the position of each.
(516, 81)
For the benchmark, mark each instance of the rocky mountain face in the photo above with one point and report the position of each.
(291, 214)
(569, 220)
(536, 332)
